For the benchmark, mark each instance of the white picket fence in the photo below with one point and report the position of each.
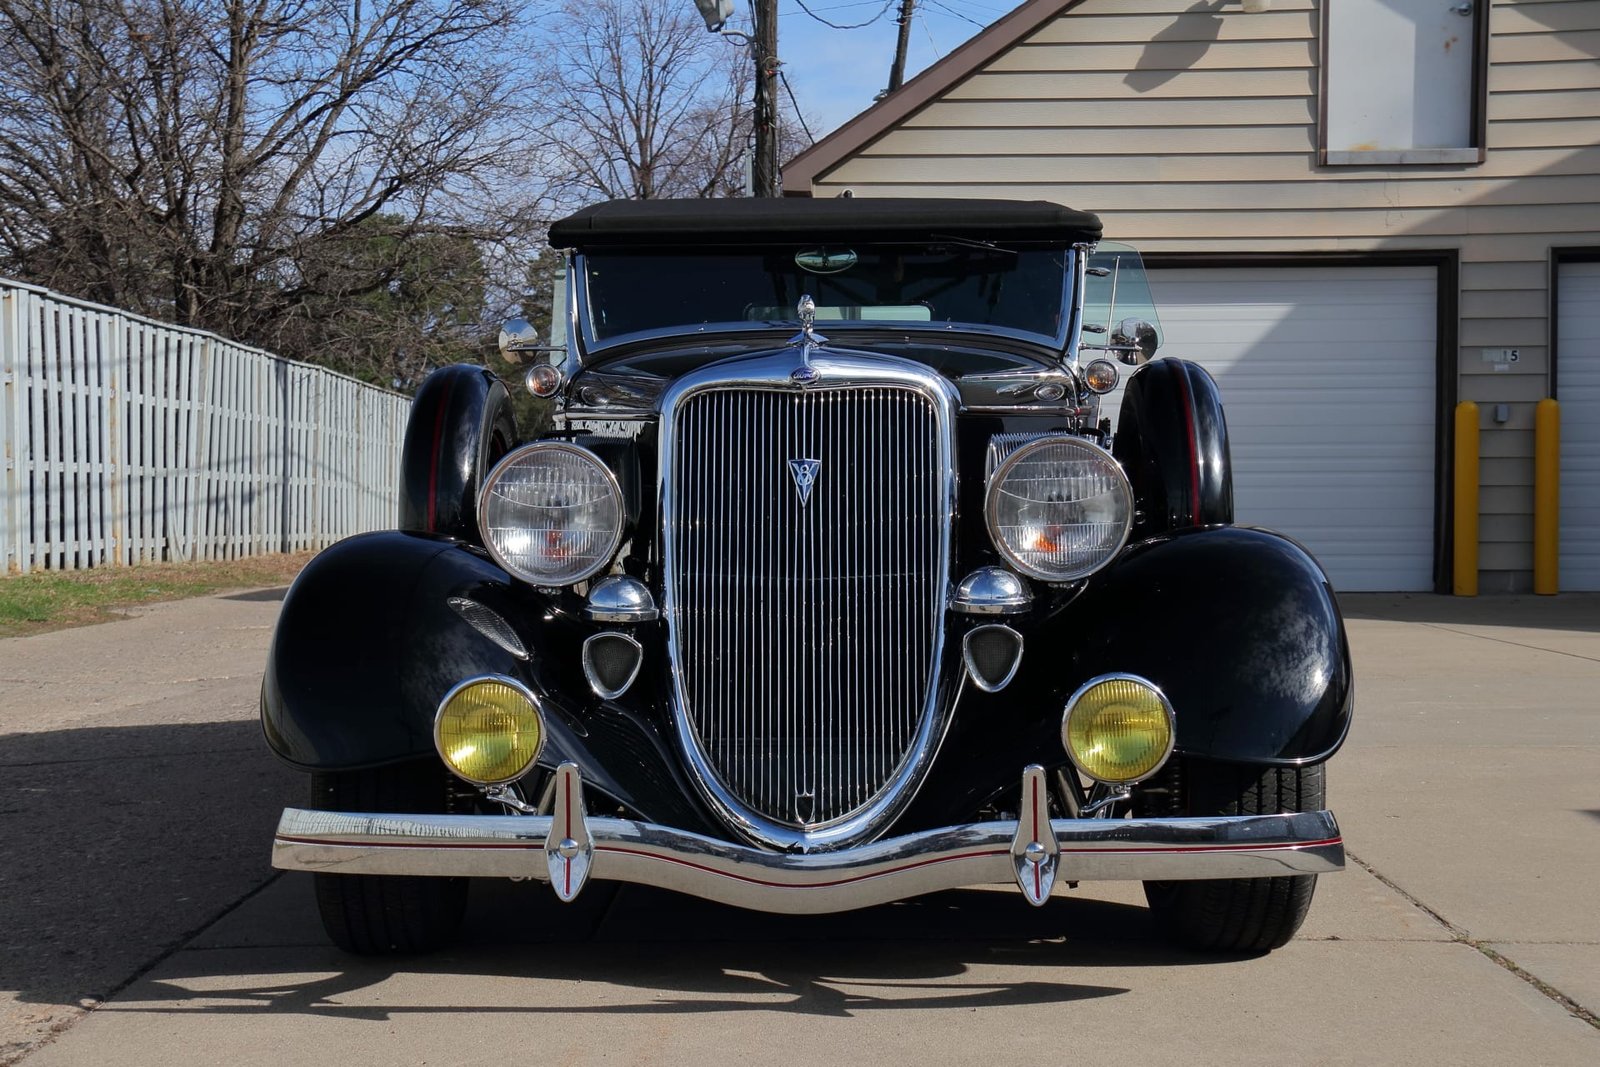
(127, 440)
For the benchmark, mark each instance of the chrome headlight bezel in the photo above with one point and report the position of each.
(991, 507)
(527, 694)
(607, 479)
(1075, 701)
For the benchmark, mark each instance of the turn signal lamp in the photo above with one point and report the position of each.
(489, 731)
(1101, 376)
(543, 380)
(1118, 729)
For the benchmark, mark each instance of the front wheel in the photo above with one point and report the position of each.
(372, 914)
(1236, 914)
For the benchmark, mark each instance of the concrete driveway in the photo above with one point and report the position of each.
(137, 801)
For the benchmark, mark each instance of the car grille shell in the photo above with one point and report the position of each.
(806, 625)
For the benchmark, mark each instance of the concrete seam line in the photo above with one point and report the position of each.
(161, 957)
(1461, 937)
(1513, 644)
(1573, 1007)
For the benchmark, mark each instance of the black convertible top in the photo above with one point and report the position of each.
(804, 219)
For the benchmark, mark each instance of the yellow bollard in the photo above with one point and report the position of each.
(1547, 497)
(1465, 578)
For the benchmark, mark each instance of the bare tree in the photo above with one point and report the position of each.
(644, 103)
(254, 166)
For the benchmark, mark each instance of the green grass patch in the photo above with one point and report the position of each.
(52, 600)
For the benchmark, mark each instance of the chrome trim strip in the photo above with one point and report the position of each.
(1080, 295)
(835, 371)
(594, 680)
(513, 846)
(489, 623)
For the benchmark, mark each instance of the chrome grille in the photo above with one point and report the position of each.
(805, 635)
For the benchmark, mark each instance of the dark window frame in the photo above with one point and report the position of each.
(1480, 100)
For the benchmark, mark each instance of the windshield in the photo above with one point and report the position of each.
(633, 292)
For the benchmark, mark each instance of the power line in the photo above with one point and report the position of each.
(948, 10)
(797, 112)
(840, 7)
(853, 26)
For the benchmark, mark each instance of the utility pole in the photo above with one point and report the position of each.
(765, 169)
(764, 49)
(897, 72)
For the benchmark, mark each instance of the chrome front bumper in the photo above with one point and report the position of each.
(568, 848)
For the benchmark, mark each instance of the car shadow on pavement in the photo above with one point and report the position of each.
(121, 848)
(632, 950)
(118, 845)
(260, 596)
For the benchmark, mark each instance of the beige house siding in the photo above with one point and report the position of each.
(1192, 127)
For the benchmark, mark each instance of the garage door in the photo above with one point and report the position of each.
(1578, 380)
(1328, 380)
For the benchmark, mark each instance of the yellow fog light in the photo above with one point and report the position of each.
(488, 730)
(1118, 728)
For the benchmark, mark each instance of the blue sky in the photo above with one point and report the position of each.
(836, 73)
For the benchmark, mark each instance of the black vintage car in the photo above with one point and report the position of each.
(829, 586)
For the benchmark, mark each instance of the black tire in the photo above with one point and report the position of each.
(1172, 440)
(375, 914)
(1240, 914)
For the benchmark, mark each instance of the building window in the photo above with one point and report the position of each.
(1403, 81)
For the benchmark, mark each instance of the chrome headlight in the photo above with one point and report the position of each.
(551, 513)
(1059, 508)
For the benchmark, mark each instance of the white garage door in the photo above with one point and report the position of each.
(1327, 379)
(1578, 382)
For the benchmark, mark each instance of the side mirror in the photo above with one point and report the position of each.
(518, 339)
(1137, 340)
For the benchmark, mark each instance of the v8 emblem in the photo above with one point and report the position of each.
(804, 472)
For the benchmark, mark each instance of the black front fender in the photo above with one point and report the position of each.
(1240, 628)
(367, 645)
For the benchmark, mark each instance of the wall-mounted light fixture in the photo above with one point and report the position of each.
(715, 12)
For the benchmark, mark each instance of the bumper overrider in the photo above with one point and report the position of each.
(567, 848)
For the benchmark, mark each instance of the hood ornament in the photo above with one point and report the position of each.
(804, 472)
(807, 339)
